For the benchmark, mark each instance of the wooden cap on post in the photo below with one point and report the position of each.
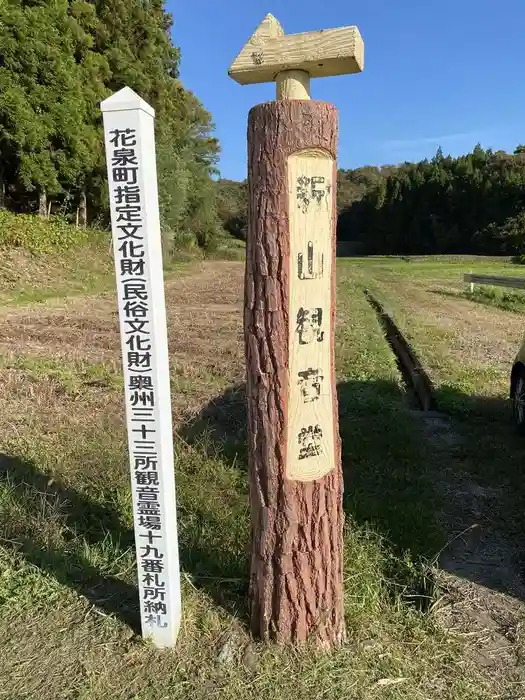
(291, 60)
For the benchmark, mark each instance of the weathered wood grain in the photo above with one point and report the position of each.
(321, 53)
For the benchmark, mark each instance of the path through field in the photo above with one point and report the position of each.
(467, 350)
(413, 481)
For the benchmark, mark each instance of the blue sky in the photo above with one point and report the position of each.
(449, 73)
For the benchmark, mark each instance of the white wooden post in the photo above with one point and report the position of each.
(132, 176)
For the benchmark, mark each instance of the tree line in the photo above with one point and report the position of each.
(474, 203)
(58, 60)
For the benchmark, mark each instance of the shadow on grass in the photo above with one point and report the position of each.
(390, 467)
(86, 519)
(379, 448)
(224, 422)
(208, 544)
(381, 451)
(214, 532)
(394, 458)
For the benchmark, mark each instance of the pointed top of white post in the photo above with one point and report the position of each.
(124, 100)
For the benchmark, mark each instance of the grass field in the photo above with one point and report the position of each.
(430, 614)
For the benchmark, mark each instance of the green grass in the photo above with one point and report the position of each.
(28, 278)
(88, 270)
(36, 234)
(67, 566)
(372, 402)
(500, 298)
(69, 377)
(468, 349)
(46, 259)
(68, 563)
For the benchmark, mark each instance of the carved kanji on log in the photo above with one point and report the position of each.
(296, 581)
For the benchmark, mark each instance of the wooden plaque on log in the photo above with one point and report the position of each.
(310, 449)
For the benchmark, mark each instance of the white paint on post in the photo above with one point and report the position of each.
(132, 175)
(310, 452)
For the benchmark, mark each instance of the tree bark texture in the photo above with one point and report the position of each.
(42, 203)
(296, 581)
(2, 189)
(83, 208)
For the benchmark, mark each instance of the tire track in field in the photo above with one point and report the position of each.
(479, 561)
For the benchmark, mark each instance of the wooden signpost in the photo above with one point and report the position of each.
(132, 176)
(296, 584)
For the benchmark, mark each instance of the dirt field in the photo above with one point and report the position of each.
(434, 502)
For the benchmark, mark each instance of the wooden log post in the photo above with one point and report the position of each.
(296, 487)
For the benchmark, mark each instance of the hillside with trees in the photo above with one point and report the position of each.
(471, 204)
(58, 60)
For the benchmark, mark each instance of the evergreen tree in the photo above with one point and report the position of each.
(44, 138)
(58, 60)
(470, 204)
